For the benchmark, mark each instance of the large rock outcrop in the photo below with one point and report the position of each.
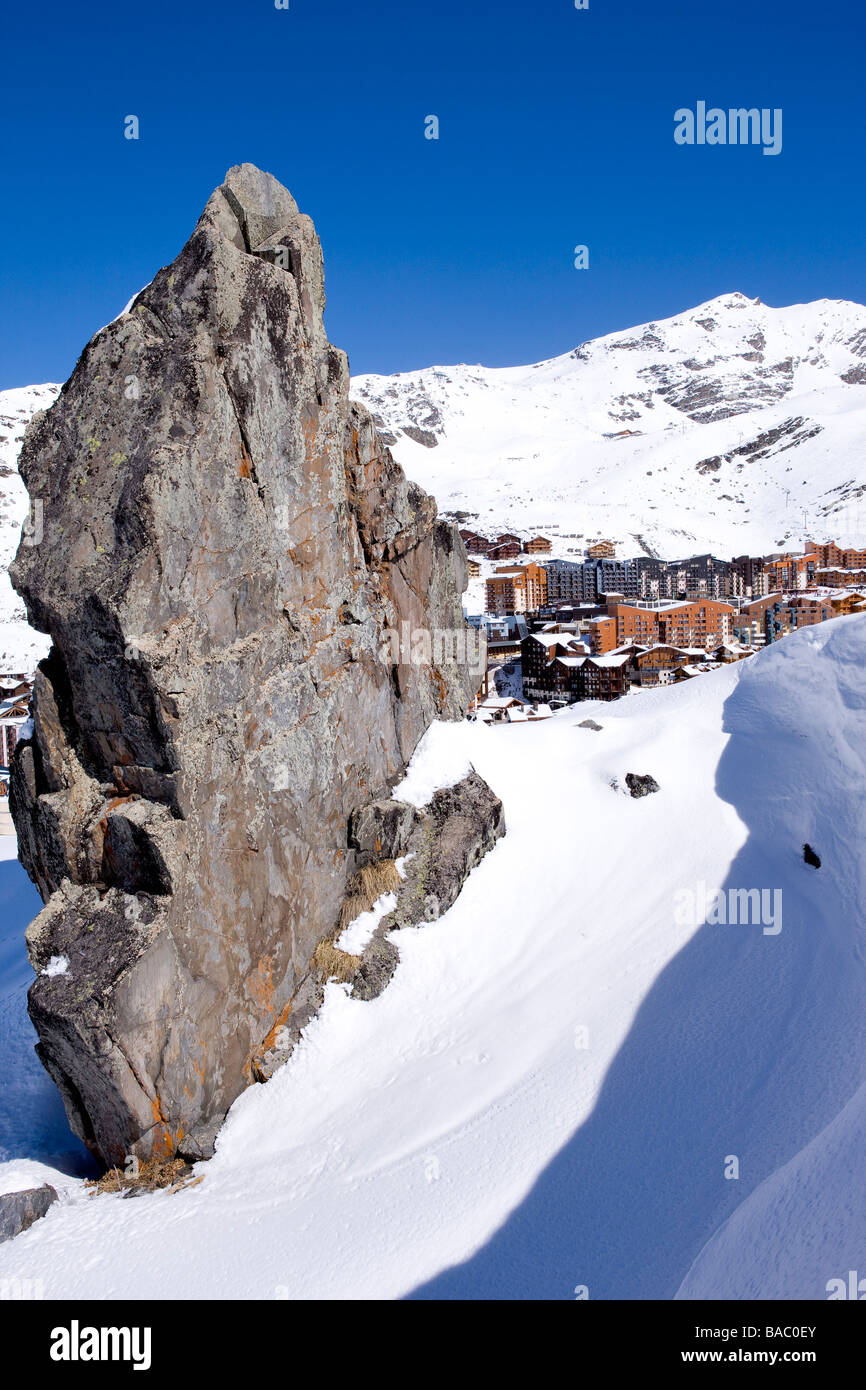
(226, 546)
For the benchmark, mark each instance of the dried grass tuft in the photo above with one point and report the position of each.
(366, 887)
(334, 963)
(148, 1175)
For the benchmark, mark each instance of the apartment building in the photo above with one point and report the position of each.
(517, 589)
(748, 577)
(570, 581)
(695, 623)
(840, 578)
(831, 556)
(790, 571)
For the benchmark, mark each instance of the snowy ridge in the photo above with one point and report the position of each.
(547, 1093)
(747, 427)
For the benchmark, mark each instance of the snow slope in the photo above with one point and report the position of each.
(749, 424)
(547, 1094)
(20, 647)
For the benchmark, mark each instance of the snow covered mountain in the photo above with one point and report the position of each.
(20, 647)
(731, 428)
(550, 1092)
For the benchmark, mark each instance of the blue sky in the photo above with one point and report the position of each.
(556, 129)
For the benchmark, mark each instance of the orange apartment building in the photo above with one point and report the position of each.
(830, 556)
(517, 589)
(841, 578)
(775, 615)
(790, 571)
(819, 564)
(699, 623)
(602, 635)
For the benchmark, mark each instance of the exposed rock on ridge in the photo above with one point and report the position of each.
(226, 541)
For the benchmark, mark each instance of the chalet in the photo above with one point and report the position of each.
(657, 664)
(601, 550)
(606, 677)
(694, 668)
(559, 667)
(538, 545)
(538, 653)
(475, 543)
(731, 651)
(503, 550)
(564, 678)
(507, 709)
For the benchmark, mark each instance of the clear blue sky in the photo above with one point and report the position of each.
(556, 128)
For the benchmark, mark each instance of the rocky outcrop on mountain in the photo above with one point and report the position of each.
(440, 846)
(227, 547)
(461, 824)
(18, 1210)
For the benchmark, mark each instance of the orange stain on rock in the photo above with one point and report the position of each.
(261, 984)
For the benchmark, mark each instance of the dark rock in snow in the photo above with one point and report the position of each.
(811, 857)
(18, 1210)
(640, 785)
(425, 437)
(590, 724)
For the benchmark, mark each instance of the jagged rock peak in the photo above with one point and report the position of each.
(226, 546)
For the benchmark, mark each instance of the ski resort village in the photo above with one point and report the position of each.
(562, 631)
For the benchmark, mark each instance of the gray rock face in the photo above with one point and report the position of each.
(382, 830)
(18, 1210)
(226, 545)
(461, 824)
(445, 842)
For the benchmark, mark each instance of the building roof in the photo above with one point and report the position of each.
(611, 659)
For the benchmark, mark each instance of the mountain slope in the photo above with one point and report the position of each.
(547, 1093)
(747, 427)
(20, 647)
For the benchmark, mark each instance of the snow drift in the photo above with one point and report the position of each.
(549, 1093)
